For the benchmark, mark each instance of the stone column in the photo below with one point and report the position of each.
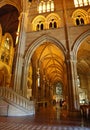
(72, 96)
(74, 82)
(18, 82)
(70, 100)
(19, 54)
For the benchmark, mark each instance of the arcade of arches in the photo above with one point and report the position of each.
(46, 57)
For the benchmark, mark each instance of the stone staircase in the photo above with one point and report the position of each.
(16, 104)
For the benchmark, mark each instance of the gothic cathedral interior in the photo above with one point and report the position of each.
(44, 54)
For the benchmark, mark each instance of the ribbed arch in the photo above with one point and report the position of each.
(38, 22)
(33, 47)
(40, 41)
(78, 42)
(80, 14)
(53, 18)
(48, 58)
(13, 3)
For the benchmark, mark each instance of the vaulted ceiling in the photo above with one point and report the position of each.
(50, 60)
(9, 20)
(50, 57)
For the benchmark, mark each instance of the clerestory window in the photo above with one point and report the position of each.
(79, 3)
(46, 6)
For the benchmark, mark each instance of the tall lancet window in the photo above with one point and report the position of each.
(41, 7)
(44, 7)
(79, 3)
(52, 5)
(48, 6)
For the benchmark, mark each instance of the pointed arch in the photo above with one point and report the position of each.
(32, 48)
(79, 41)
(80, 14)
(13, 3)
(38, 22)
(88, 12)
(41, 40)
(53, 19)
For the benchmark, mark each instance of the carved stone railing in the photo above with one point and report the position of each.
(17, 100)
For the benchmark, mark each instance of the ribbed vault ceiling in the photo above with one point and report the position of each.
(50, 60)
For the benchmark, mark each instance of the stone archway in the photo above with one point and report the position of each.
(78, 42)
(81, 63)
(31, 50)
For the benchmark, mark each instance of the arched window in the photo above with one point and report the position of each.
(6, 49)
(41, 7)
(48, 6)
(79, 3)
(55, 25)
(53, 21)
(52, 5)
(38, 23)
(40, 26)
(82, 21)
(52, 24)
(79, 21)
(44, 7)
(80, 17)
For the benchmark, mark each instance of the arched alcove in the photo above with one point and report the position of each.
(9, 13)
(81, 54)
(47, 56)
(9, 20)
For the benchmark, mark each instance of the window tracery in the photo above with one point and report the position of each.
(80, 17)
(50, 22)
(53, 21)
(40, 26)
(53, 24)
(79, 20)
(38, 23)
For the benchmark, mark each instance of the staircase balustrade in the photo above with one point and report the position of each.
(11, 96)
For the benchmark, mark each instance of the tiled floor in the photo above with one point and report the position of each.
(45, 119)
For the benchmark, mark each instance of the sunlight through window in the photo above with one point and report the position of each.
(79, 3)
(46, 6)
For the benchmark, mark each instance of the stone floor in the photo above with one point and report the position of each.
(45, 119)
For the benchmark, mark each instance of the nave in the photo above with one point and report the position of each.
(50, 118)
